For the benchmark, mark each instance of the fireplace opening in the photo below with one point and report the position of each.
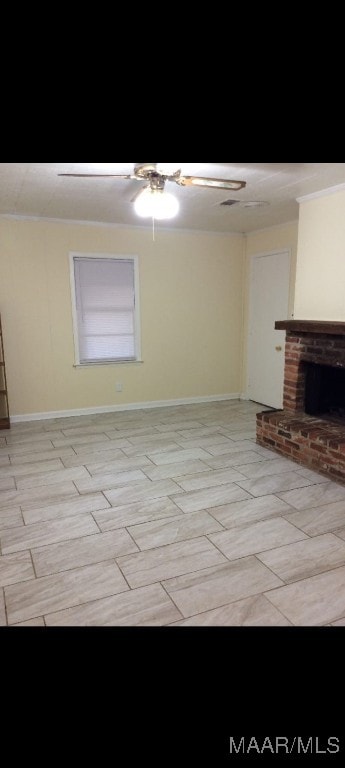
(325, 391)
(311, 427)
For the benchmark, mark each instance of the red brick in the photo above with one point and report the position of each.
(291, 370)
(309, 441)
(291, 339)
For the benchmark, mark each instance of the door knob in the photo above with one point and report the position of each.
(278, 349)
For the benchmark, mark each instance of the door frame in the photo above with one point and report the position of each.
(276, 251)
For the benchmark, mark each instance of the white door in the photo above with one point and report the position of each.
(268, 302)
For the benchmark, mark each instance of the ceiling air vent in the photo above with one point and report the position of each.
(230, 202)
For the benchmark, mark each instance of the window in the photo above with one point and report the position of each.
(106, 316)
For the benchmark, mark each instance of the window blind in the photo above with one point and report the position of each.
(105, 304)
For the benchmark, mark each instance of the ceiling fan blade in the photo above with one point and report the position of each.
(201, 181)
(98, 175)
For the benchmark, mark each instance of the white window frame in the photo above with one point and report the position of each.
(137, 330)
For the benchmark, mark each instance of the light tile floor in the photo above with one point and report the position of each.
(168, 516)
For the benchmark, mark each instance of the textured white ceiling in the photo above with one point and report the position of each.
(36, 190)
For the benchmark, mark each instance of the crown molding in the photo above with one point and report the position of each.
(321, 193)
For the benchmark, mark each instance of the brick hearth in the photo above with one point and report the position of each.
(314, 442)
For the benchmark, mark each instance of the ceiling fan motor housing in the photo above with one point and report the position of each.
(157, 180)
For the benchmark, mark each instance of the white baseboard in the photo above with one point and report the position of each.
(17, 418)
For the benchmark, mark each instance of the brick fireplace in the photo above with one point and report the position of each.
(314, 359)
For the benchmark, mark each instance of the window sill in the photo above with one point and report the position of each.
(108, 362)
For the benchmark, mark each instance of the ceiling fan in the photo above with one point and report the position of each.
(152, 200)
(156, 178)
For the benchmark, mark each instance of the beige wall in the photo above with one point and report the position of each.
(320, 275)
(191, 316)
(269, 240)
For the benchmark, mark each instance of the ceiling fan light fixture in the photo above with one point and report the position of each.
(156, 204)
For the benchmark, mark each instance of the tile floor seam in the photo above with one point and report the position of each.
(249, 554)
(126, 528)
(340, 618)
(100, 599)
(305, 578)
(295, 526)
(130, 589)
(105, 499)
(304, 541)
(317, 533)
(169, 544)
(171, 599)
(233, 603)
(93, 517)
(335, 533)
(247, 522)
(33, 564)
(185, 573)
(22, 516)
(220, 551)
(316, 507)
(284, 584)
(279, 609)
(175, 541)
(229, 602)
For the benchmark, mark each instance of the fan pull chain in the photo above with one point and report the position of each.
(153, 229)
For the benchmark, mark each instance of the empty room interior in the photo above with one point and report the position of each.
(172, 394)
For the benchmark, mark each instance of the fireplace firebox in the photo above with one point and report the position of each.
(325, 391)
(311, 427)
